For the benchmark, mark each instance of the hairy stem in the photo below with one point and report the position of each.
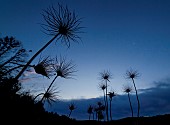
(110, 109)
(107, 114)
(34, 56)
(136, 97)
(49, 87)
(130, 104)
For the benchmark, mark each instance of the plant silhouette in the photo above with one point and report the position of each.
(128, 89)
(111, 95)
(13, 56)
(103, 88)
(133, 74)
(61, 24)
(90, 111)
(63, 69)
(44, 66)
(71, 108)
(15, 103)
(99, 110)
(106, 76)
(49, 96)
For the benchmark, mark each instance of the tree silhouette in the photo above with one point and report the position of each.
(15, 103)
(105, 76)
(133, 74)
(8, 44)
(61, 24)
(12, 55)
(128, 89)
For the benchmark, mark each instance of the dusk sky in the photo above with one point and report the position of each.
(118, 35)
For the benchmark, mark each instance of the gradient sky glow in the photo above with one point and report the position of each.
(119, 34)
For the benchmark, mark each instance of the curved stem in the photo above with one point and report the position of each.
(130, 104)
(93, 116)
(70, 113)
(96, 115)
(49, 87)
(89, 116)
(111, 109)
(136, 97)
(34, 56)
(52, 83)
(37, 96)
(107, 115)
(104, 99)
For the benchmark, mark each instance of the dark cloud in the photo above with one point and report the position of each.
(154, 101)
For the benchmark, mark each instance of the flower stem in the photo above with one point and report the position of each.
(34, 56)
(111, 109)
(49, 87)
(107, 114)
(136, 97)
(130, 104)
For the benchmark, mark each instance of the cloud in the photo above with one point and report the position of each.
(28, 75)
(154, 101)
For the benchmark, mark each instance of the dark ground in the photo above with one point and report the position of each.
(154, 120)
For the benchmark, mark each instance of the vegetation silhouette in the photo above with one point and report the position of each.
(17, 105)
(106, 76)
(111, 95)
(49, 95)
(128, 89)
(62, 69)
(13, 56)
(62, 24)
(71, 107)
(44, 66)
(133, 74)
(103, 88)
(99, 111)
(90, 111)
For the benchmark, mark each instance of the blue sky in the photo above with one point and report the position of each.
(119, 34)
